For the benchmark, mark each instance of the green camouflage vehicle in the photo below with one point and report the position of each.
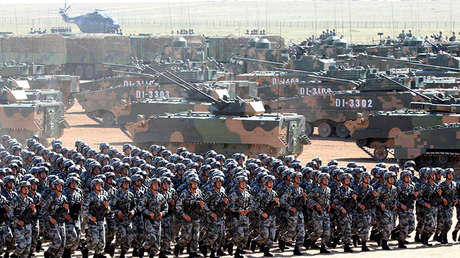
(378, 131)
(105, 100)
(437, 146)
(68, 85)
(230, 126)
(22, 119)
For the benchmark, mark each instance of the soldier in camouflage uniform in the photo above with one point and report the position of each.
(20, 212)
(96, 207)
(55, 211)
(319, 203)
(430, 199)
(457, 227)
(449, 199)
(169, 193)
(294, 199)
(345, 203)
(191, 206)
(266, 201)
(386, 205)
(365, 203)
(123, 206)
(240, 203)
(73, 223)
(138, 191)
(216, 202)
(418, 204)
(406, 202)
(153, 207)
(38, 203)
(5, 232)
(109, 190)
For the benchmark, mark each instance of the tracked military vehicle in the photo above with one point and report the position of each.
(21, 118)
(437, 146)
(229, 126)
(378, 131)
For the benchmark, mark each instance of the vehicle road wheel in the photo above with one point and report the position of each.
(325, 129)
(380, 153)
(108, 119)
(308, 129)
(341, 131)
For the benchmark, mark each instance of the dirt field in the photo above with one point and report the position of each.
(89, 131)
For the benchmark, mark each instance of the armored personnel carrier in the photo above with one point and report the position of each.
(22, 118)
(436, 146)
(229, 126)
(378, 131)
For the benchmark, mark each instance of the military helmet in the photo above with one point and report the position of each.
(155, 180)
(57, 182)
(333, 163)
(389, 174)
(269, 178)
(214, 179)
(344, 176)
(24, 184)
(405, 173)
(71, 179)
(364, 175)
(323, 175)
(124, 179)
(409, 163)
(96, 181)
(448, 171)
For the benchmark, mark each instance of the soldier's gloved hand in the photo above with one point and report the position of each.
(120, 215)
(264, 215)
(187, 217)
(21, 223)
(93, 219)
(213, 216)
(53, 221)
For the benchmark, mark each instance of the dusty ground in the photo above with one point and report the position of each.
(89, 131)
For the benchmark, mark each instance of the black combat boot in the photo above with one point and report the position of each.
(347, 249)
(238, 254)
(385, 245)
(230, 249)
(417, 238)
(282, 245)
(248, 244)
(162, 255)
(176, 250)
(395, 234)
(141, 253)
(135, 252)
(253, 246)
(67, 253)
(204, 250)
(437, 237)
(364, 247)
(84, 252)
(425, 238)
(297, 251)
(306, 243)
(401, 244)
(220, 252)
(444, 240)
(111, 250)
(454, 235)
(355, 240)
(323, 250)
(122, 254)
(213, 254)
(38, 248)
(314, 246)
(267, 252)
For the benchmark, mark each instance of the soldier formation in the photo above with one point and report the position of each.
(162, 203)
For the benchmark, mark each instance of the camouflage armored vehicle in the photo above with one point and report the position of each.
(68, 85)
(378, 131)
(22, 119)
(230, 126)
(104, 100)
(329, 110)
(437, 146)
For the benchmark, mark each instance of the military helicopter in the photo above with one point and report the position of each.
(94, 22)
